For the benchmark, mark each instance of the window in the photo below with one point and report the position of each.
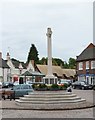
(18, 87)
(93, 64)
(87, 65)
(81, 66)
(25, 87)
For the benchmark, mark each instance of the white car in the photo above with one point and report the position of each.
(16, 83)
(62, 81)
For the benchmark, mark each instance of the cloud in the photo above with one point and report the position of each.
(24, 24)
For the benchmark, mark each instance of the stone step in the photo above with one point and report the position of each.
(49, 93)
(47, 102)
(49, 96)
(49, 99)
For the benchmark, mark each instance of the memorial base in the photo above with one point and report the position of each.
(50, 80)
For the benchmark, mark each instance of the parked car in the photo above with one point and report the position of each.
(93, 87)
(64, 81)
(29, 82)
(21, 90)
(33, 83)
(16, 83)
(0, 83)
(81, 85)
(7, 84)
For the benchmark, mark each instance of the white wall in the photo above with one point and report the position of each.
(4, 74)
(1, 73)
(30, 66)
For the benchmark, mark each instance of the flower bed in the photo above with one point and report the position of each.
(50, 87)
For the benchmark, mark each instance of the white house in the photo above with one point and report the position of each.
(17, 68)
(4, 70)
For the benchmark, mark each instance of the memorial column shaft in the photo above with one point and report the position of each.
(49, 47)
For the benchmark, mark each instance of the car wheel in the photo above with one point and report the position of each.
(82, 88)
(93, 87)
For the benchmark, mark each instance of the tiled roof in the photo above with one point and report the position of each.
(16, 63)
(88, 53)
(3, 64)
(33, 73)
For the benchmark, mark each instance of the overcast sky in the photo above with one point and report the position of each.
(25, 22)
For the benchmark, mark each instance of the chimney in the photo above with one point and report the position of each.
(8, 56)
(0, 55)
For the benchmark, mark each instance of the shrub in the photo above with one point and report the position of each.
(48, 86)
(42, 86)
(33, 86)
(61, 87)
(65, 85)
(54, 87)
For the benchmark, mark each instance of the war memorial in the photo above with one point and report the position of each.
(51, 99)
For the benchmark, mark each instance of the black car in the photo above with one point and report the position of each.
(81, 85)
(7, 85)
(93, 87)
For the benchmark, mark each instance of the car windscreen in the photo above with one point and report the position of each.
(82, 83)
(63, 80)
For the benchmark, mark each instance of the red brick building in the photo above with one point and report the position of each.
(86, 64)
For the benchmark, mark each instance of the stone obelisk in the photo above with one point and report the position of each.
(50, 78)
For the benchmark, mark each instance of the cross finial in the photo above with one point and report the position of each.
(49, 32)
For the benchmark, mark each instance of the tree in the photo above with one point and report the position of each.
(43, 61)
(66, 65)
(72, 63)
(54, 62)
(33, 54)
(58, 62)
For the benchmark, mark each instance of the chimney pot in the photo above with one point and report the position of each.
(8, 56)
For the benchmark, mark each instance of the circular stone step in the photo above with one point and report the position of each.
(49, 100)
